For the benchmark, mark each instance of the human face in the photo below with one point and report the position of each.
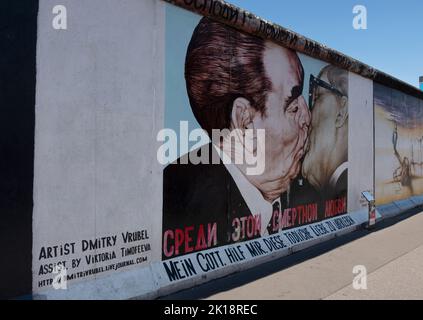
(286, 118)
(321, 159)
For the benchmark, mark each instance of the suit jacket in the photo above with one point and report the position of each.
(195, 195)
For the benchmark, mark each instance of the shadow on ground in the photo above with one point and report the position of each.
(239, 279)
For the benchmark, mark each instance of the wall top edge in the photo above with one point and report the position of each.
(248, 22)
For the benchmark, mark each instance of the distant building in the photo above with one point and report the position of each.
(421, 83)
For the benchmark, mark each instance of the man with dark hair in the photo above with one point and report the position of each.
(238, 82)
(223, 64)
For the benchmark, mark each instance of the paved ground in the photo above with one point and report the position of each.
(392, 254)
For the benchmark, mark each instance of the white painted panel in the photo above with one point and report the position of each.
(98, 110)
(360, 149)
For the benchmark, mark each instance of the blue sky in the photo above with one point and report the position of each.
(393, 42)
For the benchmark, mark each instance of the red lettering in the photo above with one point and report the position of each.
(243, 220)
(201, 239)
(168, 250)
(250, 227)
(188, 240)
(335, 207)
(294, 216)
(246, 227)
(257, 225)
(212, 235)
(291, 217)
(179, 240)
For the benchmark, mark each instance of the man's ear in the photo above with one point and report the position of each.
(342, 114)
(242, 117)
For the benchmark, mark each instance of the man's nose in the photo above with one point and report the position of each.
(305, 116)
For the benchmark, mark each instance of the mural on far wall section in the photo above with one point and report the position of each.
(399, 145)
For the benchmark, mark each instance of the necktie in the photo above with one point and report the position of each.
(272, 227)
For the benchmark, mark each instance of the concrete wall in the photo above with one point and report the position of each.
(361, 147)
(99, 106)
(125, 225)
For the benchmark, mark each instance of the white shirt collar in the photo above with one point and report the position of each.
(338, 172)
(252, 196)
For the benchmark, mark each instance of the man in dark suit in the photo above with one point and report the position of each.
(240, 83)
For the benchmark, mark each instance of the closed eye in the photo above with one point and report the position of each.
(293, 107)
(295, 93)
